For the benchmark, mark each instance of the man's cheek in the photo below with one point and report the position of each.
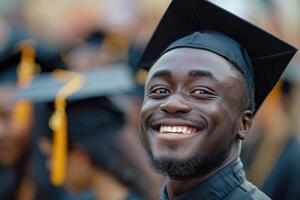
(146, 112)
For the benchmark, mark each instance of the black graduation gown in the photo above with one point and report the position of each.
(227, 184)
(9, 180)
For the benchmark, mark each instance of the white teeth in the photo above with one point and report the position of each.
(161, 129)
(177, 129)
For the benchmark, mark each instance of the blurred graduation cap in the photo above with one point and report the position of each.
(110, 80)
(25, 59)
(20, 61)
(260, 56)
(78, 103)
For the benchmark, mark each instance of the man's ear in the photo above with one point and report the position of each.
(244, 124)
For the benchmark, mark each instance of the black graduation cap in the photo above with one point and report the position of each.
(26, 58)
(20, 61)
(200, 24)
(78, 103)
(8, 68)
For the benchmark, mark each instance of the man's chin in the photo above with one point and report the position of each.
(188, 168)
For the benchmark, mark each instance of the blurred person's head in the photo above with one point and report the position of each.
(92, 124)
(61, 24)
(20, 61)
(97, 151)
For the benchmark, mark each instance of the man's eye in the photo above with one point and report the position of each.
(160, 91)
(200, 92)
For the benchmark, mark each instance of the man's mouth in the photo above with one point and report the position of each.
(172, 130)
(166, 129)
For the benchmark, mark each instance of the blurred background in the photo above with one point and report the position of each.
(42, 36)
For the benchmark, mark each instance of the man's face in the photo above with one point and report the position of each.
(190, 113)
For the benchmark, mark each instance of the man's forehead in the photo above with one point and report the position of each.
(187, 55)
(185, 60)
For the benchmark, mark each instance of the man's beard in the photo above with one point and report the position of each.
(193, 167)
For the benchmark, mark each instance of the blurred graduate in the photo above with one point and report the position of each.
(81, 124)
(21, 58)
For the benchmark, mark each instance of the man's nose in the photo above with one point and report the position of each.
(175, 104)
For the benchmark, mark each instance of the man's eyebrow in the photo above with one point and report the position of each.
(161, 73)
(201, 73)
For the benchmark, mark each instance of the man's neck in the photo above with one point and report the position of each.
(178, 187)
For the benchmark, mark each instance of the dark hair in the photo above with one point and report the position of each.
(247, 100)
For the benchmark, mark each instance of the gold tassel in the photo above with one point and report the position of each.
(59, 124)
(27, 67)
(26, 70)
(22, 112)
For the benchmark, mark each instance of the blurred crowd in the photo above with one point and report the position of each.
(104, 158)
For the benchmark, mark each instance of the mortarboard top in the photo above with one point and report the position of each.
(78, 103)
(110, 80)
(90, 105)
(268, 55)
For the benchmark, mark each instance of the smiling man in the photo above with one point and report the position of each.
(206, 83)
